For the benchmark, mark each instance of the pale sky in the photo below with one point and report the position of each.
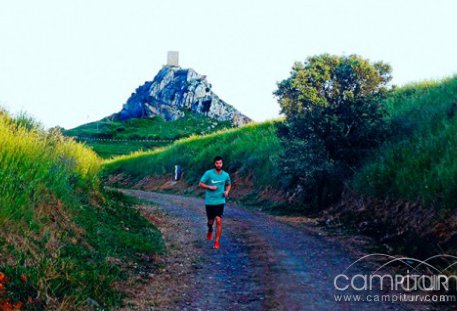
(71, 62)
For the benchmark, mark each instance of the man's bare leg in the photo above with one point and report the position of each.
(209, 234)
(218, 231)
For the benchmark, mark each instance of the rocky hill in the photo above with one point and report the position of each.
(173, 91)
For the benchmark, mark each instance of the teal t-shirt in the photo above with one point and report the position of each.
(211, 178)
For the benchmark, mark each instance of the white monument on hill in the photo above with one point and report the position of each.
(173, 58)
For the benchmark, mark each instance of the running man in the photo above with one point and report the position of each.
(214, 181)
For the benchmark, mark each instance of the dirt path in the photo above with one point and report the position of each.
(263, 264)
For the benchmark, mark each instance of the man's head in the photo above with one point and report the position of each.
(218, 163)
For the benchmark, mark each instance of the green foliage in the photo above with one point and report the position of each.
(419, 162)
(333, 119)
(26, 121)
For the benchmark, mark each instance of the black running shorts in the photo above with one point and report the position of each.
(214, 210)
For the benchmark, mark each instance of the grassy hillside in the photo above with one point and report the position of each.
(250, 154)
(404, 193)
(420, 162)
(135, 130)
(59, 230)
(417, 162)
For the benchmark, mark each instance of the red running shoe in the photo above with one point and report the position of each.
(216, 245)
(209, 235)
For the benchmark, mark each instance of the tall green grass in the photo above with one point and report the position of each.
(58, 229)
(251, 149)
(34, 161)
(419, 163)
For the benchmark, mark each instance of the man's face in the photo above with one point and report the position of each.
(218, 165)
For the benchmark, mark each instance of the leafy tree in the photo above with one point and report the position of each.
(334, 116)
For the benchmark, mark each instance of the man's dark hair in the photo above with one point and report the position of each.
(217, 158)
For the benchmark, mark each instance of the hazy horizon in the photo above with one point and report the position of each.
(68, 63)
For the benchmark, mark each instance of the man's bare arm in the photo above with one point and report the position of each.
(205, 186)
(227, 190)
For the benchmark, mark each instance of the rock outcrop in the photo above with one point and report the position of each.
(175, 90)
